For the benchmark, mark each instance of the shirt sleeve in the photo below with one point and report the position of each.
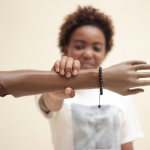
(3, 91)
(130, 129)
(48, 115)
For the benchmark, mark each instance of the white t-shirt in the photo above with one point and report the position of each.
(81, 125)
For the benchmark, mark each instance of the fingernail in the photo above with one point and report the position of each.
(62, 71)
(57, 69)
(68, 74)
(75, 72)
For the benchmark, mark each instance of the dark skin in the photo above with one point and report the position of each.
(87, 44)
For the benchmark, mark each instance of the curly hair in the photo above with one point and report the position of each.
(86, 16)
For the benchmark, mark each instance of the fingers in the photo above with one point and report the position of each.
(62, 65)
(135, 62)
(134, 91)
(69, 64)
(53, 68)
(76, 67)
(57, 66)
(141, 67)
(70, 93)
(143, 74)
(143, 82)
(72, 67)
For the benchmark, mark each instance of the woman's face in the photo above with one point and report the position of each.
(87, 44)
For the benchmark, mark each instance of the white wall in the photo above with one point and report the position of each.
(28, 40)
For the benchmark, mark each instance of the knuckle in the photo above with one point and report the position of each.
(62, 66)
(131, 75)
(76, 64)
(70, 59)
(77, 61)
(64, 57)
(131, 68)
(68, 69)
(132, 81)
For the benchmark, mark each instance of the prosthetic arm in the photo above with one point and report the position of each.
(118, 78)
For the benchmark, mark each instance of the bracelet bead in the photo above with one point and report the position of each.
(101, 84)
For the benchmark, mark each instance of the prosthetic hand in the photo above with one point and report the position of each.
(121, 77)
(118, 78)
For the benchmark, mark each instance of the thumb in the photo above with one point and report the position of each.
(70, 92)
(134, 91)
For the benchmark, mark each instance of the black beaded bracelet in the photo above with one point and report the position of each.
(101, 84)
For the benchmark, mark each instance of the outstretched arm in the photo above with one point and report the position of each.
(31, 82)
(118, 78)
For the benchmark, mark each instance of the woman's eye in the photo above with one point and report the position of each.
(97, 49)
(79, 47)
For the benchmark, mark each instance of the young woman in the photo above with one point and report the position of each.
(75, 120)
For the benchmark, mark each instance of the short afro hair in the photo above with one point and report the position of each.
(86, 16)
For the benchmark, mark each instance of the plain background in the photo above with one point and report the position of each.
(28, 40)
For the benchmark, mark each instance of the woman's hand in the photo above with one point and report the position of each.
(67, 66)
(121, 77)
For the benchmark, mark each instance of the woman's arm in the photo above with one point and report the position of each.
(127, 146)
(118, 78)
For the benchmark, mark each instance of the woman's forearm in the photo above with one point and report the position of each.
(30, 82)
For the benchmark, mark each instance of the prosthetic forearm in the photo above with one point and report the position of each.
(30, 82)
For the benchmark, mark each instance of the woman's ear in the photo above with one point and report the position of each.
(65, 50)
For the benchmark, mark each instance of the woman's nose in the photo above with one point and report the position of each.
(88, 53)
